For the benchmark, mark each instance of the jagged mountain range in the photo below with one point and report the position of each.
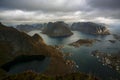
(90, 28)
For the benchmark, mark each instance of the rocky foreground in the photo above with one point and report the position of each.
(90, 28)
(57, 29)
(29, 75)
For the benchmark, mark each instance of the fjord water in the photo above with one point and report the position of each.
(82, 57)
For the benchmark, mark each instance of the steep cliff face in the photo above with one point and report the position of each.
(91, 28)
(57, 29)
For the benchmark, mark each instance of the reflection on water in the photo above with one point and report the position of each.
(35, 65)
(81, 55)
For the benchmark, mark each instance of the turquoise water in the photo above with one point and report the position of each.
(82, 56)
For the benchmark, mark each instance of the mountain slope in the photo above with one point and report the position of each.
(14, 43)
(23, 43)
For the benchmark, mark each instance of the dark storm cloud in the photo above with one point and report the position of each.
(44, 5)
(105, 8)
(105, 4)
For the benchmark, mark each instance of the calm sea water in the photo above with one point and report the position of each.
(82, 56)
(35, 65)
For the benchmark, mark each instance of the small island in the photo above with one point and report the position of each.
(86, 42)
(117, 37)
(112, 41)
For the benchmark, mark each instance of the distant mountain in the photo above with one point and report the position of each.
(90, 27)
(57, 29)
(27, 28)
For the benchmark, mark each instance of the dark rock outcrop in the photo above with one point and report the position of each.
(112, 41)
(90, 27)
(57, 29)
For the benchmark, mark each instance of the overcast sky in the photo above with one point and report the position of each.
(105, 11)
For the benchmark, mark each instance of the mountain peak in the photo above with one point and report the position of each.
(57, 29)
(37, 38)
(1, 25)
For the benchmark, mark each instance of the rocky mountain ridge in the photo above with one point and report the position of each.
(90, 28)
